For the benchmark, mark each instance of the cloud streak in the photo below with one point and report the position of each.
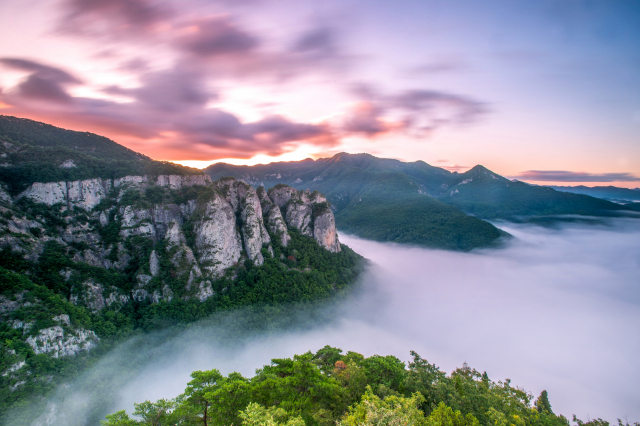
(416, 111)
(567, 176)
(44, 83)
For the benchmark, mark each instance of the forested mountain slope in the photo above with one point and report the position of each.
(83, 264)
(31, 151)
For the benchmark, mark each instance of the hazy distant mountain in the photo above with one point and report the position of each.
(31, 152)
(488, 195)
(391, 200)
(606, 192)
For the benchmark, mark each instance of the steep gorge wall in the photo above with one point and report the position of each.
(227, 221)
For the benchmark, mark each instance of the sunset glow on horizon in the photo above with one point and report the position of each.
(543, 92)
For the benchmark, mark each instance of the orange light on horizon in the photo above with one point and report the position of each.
(299, 154)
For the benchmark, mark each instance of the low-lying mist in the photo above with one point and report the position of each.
(556, 309)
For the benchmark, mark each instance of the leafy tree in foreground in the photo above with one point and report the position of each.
(355, 391)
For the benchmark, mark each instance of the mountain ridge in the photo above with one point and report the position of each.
(372, 197)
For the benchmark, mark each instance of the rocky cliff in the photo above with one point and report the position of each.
(140, 240)
(196, 228)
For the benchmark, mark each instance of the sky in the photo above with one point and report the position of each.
(547, 92)
(556, 309)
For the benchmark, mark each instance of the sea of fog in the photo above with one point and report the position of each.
(557, 309)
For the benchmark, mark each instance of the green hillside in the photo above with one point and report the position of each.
(36, 152)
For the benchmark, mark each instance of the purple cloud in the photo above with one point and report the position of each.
(461, 109)
(217, 36)
(44, 83)
(111, 18)
(566, 176)
(320, 40)
(169, 106)
(366, 119)
(169, 90)
(221, 129)
(422, 111)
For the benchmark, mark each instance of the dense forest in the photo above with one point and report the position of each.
(332, 388)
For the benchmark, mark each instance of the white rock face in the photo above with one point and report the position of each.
(282, 194)
(245, 201)
(87, 194)
(130, 181)
(233, 220)
(324, 231)
(63, 319)
(136, 222)
(67, 164)
(104, 219)
(56, 342)
(154, 264)
(49, 193)
(116, 297)
(217, 241)
(163, 215)
(299, 213)
(254, 233)
(276, 224)
(177, 182)
(299, 216)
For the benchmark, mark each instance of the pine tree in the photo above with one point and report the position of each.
(542, 404)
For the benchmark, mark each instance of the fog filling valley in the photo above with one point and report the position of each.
(556, 309)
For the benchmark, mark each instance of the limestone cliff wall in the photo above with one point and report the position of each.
(226, 222)
(87, 194)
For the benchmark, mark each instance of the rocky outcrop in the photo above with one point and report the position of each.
(154, 264)
(91, 296)
(324, 230)
(217, 241)
(57, 342)
(299, 216)
(273, 219)
(203, 236)
(164, 215)
(136, 222)
(87, 194)
(177, 182)
(180, 254)
(130, 182)
(282, 194)
(49, 193)
(245, 202)
(307, 211)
